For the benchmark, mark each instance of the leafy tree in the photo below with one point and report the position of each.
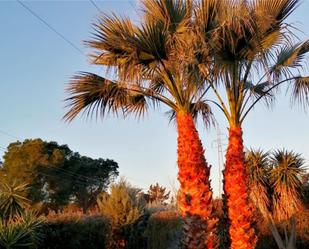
(253, 53)
(55, 175)
(275, 189)
(157, 194)
(155, 63)
(88, 177)
(26, 162)
(123, 207)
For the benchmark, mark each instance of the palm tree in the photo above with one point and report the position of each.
(275, 189)
(252, 56)
(13, 199)
(155, 62)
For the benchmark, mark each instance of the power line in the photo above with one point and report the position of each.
(8, 134)
(50, 27)
(95, 5)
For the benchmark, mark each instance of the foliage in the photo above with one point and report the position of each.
(275, 186)
(157, 194)
(21, 231)
(13, 199)
(122, 206)
(55, 174)
(164, 230)
(70, 231)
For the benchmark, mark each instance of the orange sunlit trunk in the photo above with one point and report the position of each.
(240, 212)
(195, 194)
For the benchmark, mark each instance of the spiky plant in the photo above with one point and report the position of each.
(13, 200)
(253, 55)
(275, 188)
(21, 231)
(155, 63)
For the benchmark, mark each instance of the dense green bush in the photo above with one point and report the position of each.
(86, 233)
(163, 230)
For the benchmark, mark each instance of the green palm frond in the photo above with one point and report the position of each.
(290, 57)
(257, 90)
(13, 200)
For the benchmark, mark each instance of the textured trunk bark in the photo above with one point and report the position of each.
(195, 194)
(240, 211)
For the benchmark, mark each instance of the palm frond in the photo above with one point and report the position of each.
(257, 166)
(285, 177)
(203, 110)
(13, 200)
(290, 57)
(95, 95)
(300, 90)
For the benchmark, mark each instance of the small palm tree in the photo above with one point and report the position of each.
(21, 231)
(155, 63)
(252, 55)
(13, 199)
(275, 189)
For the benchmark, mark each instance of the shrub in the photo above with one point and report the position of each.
(123, 207)
(163, 230)
(76, 232)
(22, 231)
(12, 199)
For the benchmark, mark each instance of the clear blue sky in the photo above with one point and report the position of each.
(36, 64)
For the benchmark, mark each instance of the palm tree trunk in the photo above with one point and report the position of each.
(195, 194)
(240, 211)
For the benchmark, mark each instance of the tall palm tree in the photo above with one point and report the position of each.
(275, 189)
(155, 63)
(253, 54)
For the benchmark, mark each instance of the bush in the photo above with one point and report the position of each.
(90, 232)
(163, 230)
(22, 231)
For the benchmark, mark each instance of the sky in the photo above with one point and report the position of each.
(35, 68)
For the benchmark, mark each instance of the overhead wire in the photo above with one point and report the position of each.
(50, 26)
(95, 5)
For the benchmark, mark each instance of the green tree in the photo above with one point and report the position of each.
(253, 53)
(87, 178)
(155, 63)
(26, 162)
(55, 175)
(275, 189)
(123, 206)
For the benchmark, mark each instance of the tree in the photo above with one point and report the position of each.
(123, 207)
(252, 55)
(157, 194)
(27, 162)
(90, 178)
(155, 63)
(275, 189)
(56, 175)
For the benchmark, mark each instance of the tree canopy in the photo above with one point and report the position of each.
(55, 174)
